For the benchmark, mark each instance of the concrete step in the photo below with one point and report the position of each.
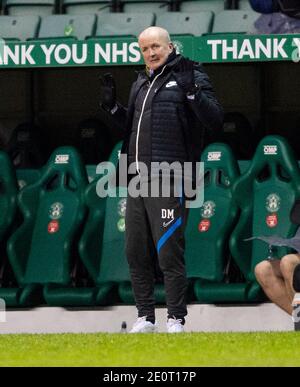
(201, 318)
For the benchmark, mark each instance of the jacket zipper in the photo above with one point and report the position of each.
(140, 120)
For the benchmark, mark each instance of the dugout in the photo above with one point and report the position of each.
(52, 53)
(260, 96)
(50, 85)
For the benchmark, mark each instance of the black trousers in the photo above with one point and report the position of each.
(156, 225)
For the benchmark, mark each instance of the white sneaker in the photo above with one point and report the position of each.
(174, 326)
(143, 326)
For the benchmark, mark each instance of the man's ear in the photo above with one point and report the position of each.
(171, 46)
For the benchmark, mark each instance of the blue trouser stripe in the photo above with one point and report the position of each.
(167, 234)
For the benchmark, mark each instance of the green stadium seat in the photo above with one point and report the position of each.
(9, 290)
(209, 227)
(265, 194)
(30, 7)
(43, 250)
(214, 6)
(102, 247)
(91, 172)
(67, 26)
(93, 140)
(138, 6)
(122, 24)
(19, 27)
(182, 23)
(235, 21)
(79, 7)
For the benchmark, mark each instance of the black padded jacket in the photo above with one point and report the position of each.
(161, 123)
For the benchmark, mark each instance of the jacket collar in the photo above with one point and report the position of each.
(171, 61)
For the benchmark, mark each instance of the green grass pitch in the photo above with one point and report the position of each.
(187, 349)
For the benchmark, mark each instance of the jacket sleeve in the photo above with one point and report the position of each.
(205, 104)
(119, 114)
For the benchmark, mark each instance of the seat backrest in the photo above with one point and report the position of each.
(30, 7)
(27, 176)
(102, 244)
(265, 194)
(9, 215)
(214, 6)
(286, 124)
(19, 27)
(86, 7)
(58, 26)
(179, 23)
(93, 141)
(53, 210)
(121, 24)
(139, 6)
(235, 21)
(236, 132)
(25, 147)
(8, 193)
(208, 227)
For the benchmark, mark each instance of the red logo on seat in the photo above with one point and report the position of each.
(204, 225)
(272, 220)
(53, 226)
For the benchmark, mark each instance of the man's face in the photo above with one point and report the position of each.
(155, 50)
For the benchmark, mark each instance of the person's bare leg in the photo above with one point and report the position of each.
(287, 267)
(269, 276)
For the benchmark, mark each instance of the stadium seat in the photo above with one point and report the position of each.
(182, 23)
(265, 194)
(208, 229)
(9, 290)
(43, 250)
(139, 6)
(122, 24)
(25, 147)
(236, 132)
(286, 124)
(27, 176)
(235, 21)
(79, 7)
(102, 244)
(30, 7)
(214, 6)
(93, 141)
(19, 27)
(67, 26)
(91, 171)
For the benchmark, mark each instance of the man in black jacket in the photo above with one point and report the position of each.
(170, 105)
